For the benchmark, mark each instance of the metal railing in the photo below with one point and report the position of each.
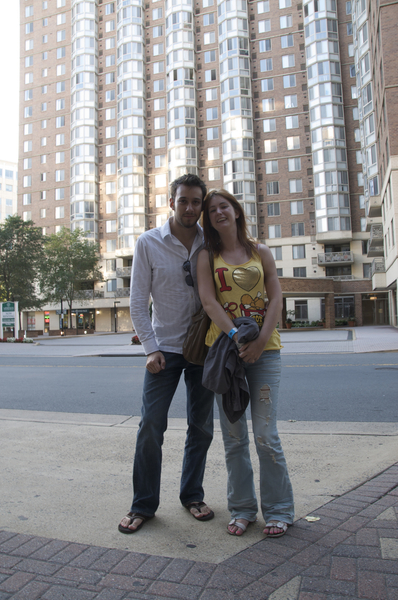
(123, 272)
(336, 257)
(378, 265)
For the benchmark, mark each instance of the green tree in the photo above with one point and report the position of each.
(71, 267)
(21, 258)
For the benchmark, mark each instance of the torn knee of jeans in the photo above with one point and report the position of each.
(235, 437)
(266, 446)
(265, 394)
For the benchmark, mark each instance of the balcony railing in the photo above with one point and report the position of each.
(378, 266)
(123, 272)
(340, 277)
(90, 294)
(335, 258)
(123, 292)
(376, 235)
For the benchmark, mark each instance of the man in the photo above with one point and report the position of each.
(164, 267)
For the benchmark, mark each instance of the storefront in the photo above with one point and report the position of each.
(84, 318)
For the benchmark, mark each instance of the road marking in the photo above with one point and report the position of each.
(143, 366)
(73, 366)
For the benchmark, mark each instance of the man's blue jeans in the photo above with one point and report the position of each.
(276, 493)
(157, 395)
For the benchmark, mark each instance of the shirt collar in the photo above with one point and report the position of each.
(166, 230)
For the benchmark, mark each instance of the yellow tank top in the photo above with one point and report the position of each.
(240, 291)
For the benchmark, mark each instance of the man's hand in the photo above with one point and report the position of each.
(155, 362)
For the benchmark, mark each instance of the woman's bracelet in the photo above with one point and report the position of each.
(232, 333)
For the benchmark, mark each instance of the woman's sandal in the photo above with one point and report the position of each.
(276, 525)
(236, 522)
(131, 516)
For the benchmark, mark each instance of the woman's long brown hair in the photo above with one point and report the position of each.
(212, 238)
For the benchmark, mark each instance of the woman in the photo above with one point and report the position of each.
(242, 271)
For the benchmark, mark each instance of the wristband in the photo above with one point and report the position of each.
(232, 333)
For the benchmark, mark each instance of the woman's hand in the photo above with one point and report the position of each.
(252, 351)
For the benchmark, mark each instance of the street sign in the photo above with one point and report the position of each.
(8, 316)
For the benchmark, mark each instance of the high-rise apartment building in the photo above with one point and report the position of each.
(268, 99)
(8, 189)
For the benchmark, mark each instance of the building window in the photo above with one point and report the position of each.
(274, 231)
(210, 75)
(264, 26)
(295, 186)
(208, 19)
(297, 229)
(291, 101)
(262, 7)
(270, 146)
(287, 41)
(110, 187)
(286, 21)
(288, 61)
(111, 285)
(110, 226)
(276, 252)
(212, 133)
(212, 113)
(110, 26)
(264, 45)
(292, 122)
(271, 166)
(272, 188)
(289, 81)
(160, 141)
(298, 251)
(301, 306)
(267, 84)
(59, 212)
(210, 56)
(268, 104)
(273, 209)
(367, 270)
(269, 125)
(213, 153)
(214, 173)
(209, 38)
(293, 143)
(266, 65)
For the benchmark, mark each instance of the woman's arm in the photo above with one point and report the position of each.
(207, 295)
(252, 351)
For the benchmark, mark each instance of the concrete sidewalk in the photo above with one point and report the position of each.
(66, 482)
(347, 549)
(295, 341)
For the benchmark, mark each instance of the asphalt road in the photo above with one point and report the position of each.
(322, 387)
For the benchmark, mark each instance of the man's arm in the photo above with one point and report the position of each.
(140, 289)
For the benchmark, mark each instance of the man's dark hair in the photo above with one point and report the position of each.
(189, 180)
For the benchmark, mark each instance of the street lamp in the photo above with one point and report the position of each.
(115, 302)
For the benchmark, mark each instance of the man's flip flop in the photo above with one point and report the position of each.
(199, 505)
(133, 516)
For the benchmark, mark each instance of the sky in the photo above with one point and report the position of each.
(9, 77)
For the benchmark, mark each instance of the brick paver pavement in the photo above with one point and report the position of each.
(350, 553)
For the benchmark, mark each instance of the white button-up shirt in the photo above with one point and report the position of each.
(157, 271)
